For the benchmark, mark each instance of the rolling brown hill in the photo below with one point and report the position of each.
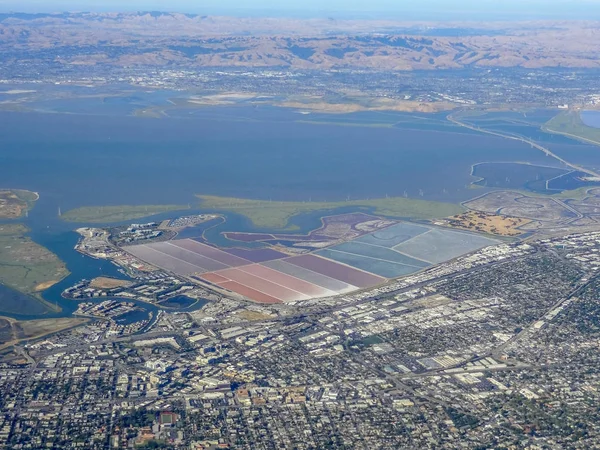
(178, 40)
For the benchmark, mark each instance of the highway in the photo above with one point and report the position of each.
(547, 151)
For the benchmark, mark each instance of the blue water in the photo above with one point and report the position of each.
(114, 158)
(180, 302)
(591, 118)
(529, 126)
(237, 152)
(14, 303)
(91, 101)
(516, 176)
(130, 317)
(48, 230)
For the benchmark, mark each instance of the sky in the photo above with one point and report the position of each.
(407, 9)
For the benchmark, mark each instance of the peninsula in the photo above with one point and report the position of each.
(569, 123)
(26, 266)
(117, 213)
(15, 203)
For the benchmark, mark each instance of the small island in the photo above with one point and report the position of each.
(15, 203)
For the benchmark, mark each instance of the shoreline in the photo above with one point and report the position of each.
(526, 140)
(12, 321)
(278, 216)
(28, 204)
(59, 270)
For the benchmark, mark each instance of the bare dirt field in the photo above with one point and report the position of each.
(253, 315)
(108, 283)
(499, 225)
(45, 285)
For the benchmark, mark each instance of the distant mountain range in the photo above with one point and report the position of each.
(185, 40)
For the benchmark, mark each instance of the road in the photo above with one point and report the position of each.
(525, 331)
(547, 151)
(572, 136)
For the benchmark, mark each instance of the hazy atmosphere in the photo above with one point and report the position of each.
(408, 10)
(299, 224)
